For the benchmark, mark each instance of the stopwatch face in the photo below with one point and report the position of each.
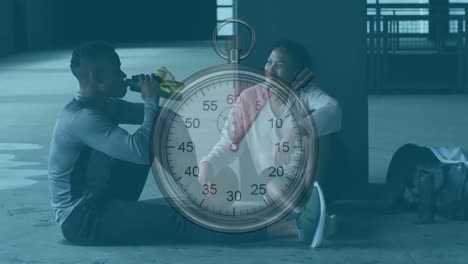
(215, 123)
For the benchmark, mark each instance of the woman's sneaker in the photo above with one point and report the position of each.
(313, 222)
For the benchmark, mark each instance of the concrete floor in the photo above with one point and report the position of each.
(36, 86)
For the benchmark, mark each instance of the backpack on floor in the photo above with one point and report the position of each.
(448, 184)
(449, 191)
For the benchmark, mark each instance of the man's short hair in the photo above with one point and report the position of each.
(87, 53)
(296, 52)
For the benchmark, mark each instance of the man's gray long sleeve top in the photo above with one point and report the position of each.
(82, 128)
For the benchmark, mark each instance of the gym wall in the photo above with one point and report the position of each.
(47, 24)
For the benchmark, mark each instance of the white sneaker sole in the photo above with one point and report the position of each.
(318, 236)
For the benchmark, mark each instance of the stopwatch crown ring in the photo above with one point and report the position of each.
(218, 50)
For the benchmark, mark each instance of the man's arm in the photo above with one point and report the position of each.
(97, 131)
(124, 112)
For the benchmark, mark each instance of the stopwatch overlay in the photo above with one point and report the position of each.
(213, 127)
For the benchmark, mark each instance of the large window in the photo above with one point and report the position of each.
(413, 25)
(457, 11)
(225, 10)
(406, 12)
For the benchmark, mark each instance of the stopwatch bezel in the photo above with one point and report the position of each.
(178, 197)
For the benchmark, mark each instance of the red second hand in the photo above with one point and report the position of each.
(234, 146)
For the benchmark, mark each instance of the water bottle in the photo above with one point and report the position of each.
(169, 87)
(426, 202)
